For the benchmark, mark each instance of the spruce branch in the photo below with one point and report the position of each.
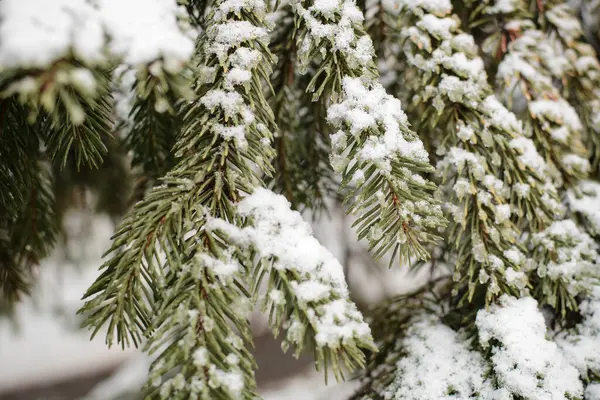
(19, 147)
(226, 130)
(28, 225)
(302, 169)
(307, 294)
(25, 240)
(531, 62)
(488, 169)
(527, 68)
(377, 156)
(153, 122)
(567, 265)
(581, 85)
(166, 279)
(76, 102)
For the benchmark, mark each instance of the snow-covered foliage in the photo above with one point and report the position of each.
(305, 277)
(273, 104)
(530, 65)
(508, 356)
(438, 364)
(581, 345)
(585, 201)
(485, 139)
(365, 110)
(524, 362)
(373, 148)
(135, 31)
(567, 262)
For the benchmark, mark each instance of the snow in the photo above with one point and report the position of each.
(338, 33)
(558, 111)
(464, 66)
(528, 156)
(592, 392)
(523, 360)
(585, 200)
(363, 108)
(462, 158)
(567, 24)
(440, 28)
(230, 102)
(435, 7)
(229, 34)
(501, 118)
(574, 162)
(464, 132)
(437, 365)
(235, 6)
(221, 268)
(581, 346)
(503, 6)
(237, 133)
(142, 31)
(317, 283)
(36, 33)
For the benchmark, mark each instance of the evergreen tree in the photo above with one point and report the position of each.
(206, 127)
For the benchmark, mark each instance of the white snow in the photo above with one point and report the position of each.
(362, 108)
(317, 282)
(524, 361)
(585, 199)
(36, 33)
(440, 28)
(528, 155)
(581, 346)
(558, 111)
(435, 7)
(438, 365)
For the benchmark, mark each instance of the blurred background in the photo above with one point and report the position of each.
(45, 355)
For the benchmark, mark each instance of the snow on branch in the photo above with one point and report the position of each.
(307, 292)
(584, 200)
(530, 64)
(491, 173)
(374, 151)
(36, 33)
(438, 364)
(525, 363)
(580, 344)
(567, 264)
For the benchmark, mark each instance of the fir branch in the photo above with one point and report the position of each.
(488, 168)
(531, 61)
(222, 153)
(528, 66)
(302, 169)
(153, 121)
(19, 147)
(374, 151)
(111, 183)
(306, 296)
(75, 99)
(213, 169)
(25, 240)
(567, 265)
(582, 83)
(28, 225)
